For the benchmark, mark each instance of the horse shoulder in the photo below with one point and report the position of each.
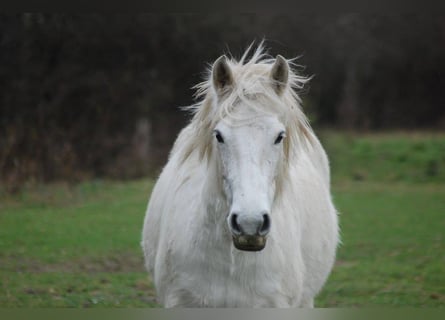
(309, 194)
(152, 221)
(160, 198)
(172, 195)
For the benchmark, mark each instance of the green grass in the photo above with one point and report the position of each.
(78, 246)
(64, 246)
(390, 157)
(393, 251)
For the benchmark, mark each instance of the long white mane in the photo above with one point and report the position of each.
(253, 87)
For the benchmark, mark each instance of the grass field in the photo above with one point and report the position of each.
(78, 246)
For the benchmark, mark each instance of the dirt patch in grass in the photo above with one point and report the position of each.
(114, 263)
(345, 264)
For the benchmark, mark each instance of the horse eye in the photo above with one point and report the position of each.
(279, 138)
(219, 137)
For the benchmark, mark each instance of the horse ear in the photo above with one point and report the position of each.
(279, 74)
(222, 75)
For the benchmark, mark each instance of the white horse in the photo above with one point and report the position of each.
(241, 215)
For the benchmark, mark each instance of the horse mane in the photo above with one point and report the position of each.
(253, 87)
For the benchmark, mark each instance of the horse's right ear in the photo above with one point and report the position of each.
(222, 75)
(280, 74)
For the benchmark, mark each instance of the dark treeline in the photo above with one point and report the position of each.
(99, 95)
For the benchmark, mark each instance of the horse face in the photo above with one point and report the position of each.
(250, 155)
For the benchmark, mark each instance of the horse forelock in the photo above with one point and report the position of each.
(253, 89)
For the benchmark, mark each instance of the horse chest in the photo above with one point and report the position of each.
(232, 279)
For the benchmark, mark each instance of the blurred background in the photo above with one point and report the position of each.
(90, 107)
(99, 95)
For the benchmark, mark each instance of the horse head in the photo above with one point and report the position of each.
(249, 144)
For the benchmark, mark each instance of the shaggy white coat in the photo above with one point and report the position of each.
(186, 241)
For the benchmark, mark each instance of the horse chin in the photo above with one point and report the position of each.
(249, 243)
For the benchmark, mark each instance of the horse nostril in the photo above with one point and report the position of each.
(265, 227)
(234, 224)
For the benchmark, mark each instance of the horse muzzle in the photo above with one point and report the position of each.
(249, 242)
(249, 232)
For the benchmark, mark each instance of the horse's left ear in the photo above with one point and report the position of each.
(279, 74)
